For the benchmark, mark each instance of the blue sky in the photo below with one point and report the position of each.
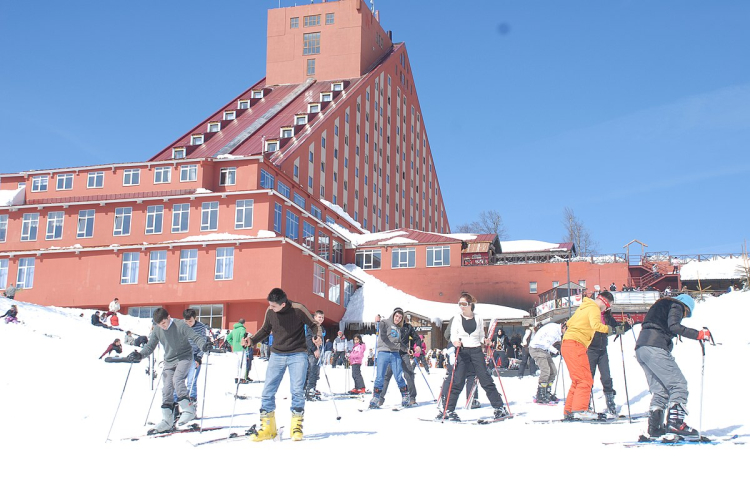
(635, 114)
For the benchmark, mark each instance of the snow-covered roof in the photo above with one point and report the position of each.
(716, 268)
(9, 198)
(509, 246)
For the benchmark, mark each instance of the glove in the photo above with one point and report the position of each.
(207, 347)
(134, 357)
(704, 334)
(557, 345)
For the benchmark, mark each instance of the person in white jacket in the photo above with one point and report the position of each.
(468, 336)
(545, 344)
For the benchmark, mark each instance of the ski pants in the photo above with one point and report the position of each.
(338, 356)
(422, 359)
(665, 380)
(526, 359)
(407, 373)
(581, 382)
(359, 381)
(601, 358)
(547, 369)
(471, 378)
(473, 357)
(174, 377)
(313, 372)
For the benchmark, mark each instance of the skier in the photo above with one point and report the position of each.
(666, 383)
(339, 349)
(234, 338)
(314, 359)
(545, 345)
(190, 317)
(468, 336)
(389, 346)
(408, 335)
(173, 335)
(581, 328)
(287, 320)
(355, 360)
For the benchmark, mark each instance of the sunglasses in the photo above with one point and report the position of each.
(463, 303)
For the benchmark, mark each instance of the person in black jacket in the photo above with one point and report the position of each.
(406, 348)
(666, 383)
(116, 346)
(598, 357)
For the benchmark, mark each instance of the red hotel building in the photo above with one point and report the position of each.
(245, 200)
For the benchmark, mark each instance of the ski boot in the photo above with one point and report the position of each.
(297, 419)
(656, 423)
(167, 420)
(449, 416)
(551, 397)
(475, 403)
(188, 411)
(501, 412)
(267, 426)
(541, 394)
(586, 416)
(375, 402)
(611, 407)
(404, 396)
(676, 423)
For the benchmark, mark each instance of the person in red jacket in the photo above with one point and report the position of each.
(116, 346)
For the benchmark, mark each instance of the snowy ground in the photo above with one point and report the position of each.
(59, 401)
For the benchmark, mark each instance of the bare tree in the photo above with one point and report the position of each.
(489, 222)
(577, 233)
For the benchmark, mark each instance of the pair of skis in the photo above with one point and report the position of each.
(671, 440)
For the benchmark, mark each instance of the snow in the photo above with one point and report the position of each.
(12, 197)
(342, 213)
(225, 236)
(510, 246)
(59, 402)
(712, 269)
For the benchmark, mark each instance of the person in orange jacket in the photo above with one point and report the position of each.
(586, 321)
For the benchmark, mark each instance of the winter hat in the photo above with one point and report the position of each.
(398, 310)
(687, 301)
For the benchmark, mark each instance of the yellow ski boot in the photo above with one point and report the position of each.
(267, 427)
(297, 418)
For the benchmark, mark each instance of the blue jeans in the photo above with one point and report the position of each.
(390, 359)
(277, 365)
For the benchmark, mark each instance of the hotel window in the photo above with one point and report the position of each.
(129, 268)
(230, 115)
(178, 153)
(312, 20)
(292, 225)
(277, 218)
(228, 176)
(299, 200)
(256, 94)
(224, 263)
(157, 267)
(85, 223)
(162, 174)
(3, 273)
(439, 256)
(287, 132)
(300, 119)
(403, 258)
(243, 215)
(95, 180)
(532, 287)
(311, 66)
(188, 265)
(210, 314)
(338, 87)
(582, 283)
(3, 227)
(180, 218)
(310, 44)
(39, 183)
(154, 219)
(131, 177)
(188, 173)
(25, 276)
(294, 22)
(196, 140)
(213, 126)
(319, 280)
(29, 227)
(316, 212)
(209, 216)
(243, 104)
(338, 253)
(368, 259)
(313, 108)
(64, 182)
(123, 216)
(266, 180)
(326, 97)
(334, 288)
(272, 146)
(55, 225)
(283, 189)
(308, 235)
(323, 244)
(348, 292)
(330, 17)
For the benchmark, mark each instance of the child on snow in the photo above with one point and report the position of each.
(355, 360)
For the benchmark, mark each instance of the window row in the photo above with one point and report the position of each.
(188, 269)
(333, 289)
(370, 259)
(24, 276)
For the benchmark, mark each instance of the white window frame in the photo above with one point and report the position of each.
(224, 263)
(272, 146)
(367, 259)
(348, 292)
(242, 212)
(162, 174)
(3, 227)
(444, 252)
(188, 271)
(313, 108)
(63, 179)
(157, 267)
(95, 180)
(326, 97)
(228, 176)
(188, 173)
(337, 86)
(178, 214)
(55, 222)
(39, 184)
(300, 119)
(256, 94)
(30, 227)
(130, 268)
(178, 153)
(243, 104)
(209, 212)
(287, 132)
(334, 288)
(4, 273)
(319, 279)
(122, 222)
(131, 177)
(25, 274)
(533, 287)
(230, 115)
(84, 217)
(403, 257)
(196, 140)
(154, 218)
(213, 127)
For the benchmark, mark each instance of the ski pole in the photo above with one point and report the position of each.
(450, 385)
(427, 383)
(236, 388)
(328, 382)
(500, 382)
(153, 397)
(625, 379)
(205, 384)
(118, 403)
